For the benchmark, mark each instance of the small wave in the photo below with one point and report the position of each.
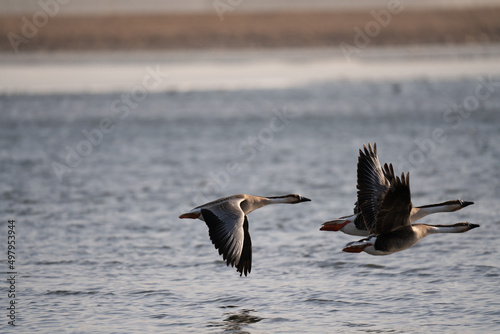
(42, 263)
(228, 300)
(420, 272)
(336, 301)
(70, 293)
(328, 264)
(352, 324)
(320, 301)
(153, 293)
(373, 266)
(159, 316)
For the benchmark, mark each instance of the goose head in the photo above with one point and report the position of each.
(457, 204)
(448, 206)
(290, 198)
(462, 204)
(455, 228)
(465, 226)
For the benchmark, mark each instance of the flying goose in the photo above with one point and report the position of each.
(227, 223)
(355, 224)
(385, 204)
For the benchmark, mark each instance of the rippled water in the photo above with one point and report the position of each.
(102, 250)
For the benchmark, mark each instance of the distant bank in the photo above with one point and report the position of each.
(112, 7)
(231, 27)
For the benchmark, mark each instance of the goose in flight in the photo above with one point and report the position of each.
(227, 223)
(385, 203)
(370, 165)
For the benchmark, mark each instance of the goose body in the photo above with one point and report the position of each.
(403, 238)
(385, 204)
(227, 223)
(355, 224)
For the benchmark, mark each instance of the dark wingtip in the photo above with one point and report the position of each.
(243, 271)
(370, 150)
(305, 199)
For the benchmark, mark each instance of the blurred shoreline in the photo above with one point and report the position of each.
(70, 72)
(249, 30)
(106, 7)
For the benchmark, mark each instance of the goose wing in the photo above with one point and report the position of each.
(372, 185)
(359, 221)
(228, 230)
(244, 266)
(396, 206)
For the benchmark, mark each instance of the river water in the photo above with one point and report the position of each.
(96, 181)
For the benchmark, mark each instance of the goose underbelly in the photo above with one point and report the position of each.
(395, 241)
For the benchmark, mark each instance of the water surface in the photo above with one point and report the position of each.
(101, 249)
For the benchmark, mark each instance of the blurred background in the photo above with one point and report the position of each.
(339, 32)
(201, 24)
(118, 116)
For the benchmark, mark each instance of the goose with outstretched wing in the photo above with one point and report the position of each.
(380, 179)
(227, 223)
(385, 203)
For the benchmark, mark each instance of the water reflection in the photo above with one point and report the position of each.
(234, 322)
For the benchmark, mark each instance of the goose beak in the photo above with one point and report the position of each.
(304, 199)
(465, 203)
(471, 226)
